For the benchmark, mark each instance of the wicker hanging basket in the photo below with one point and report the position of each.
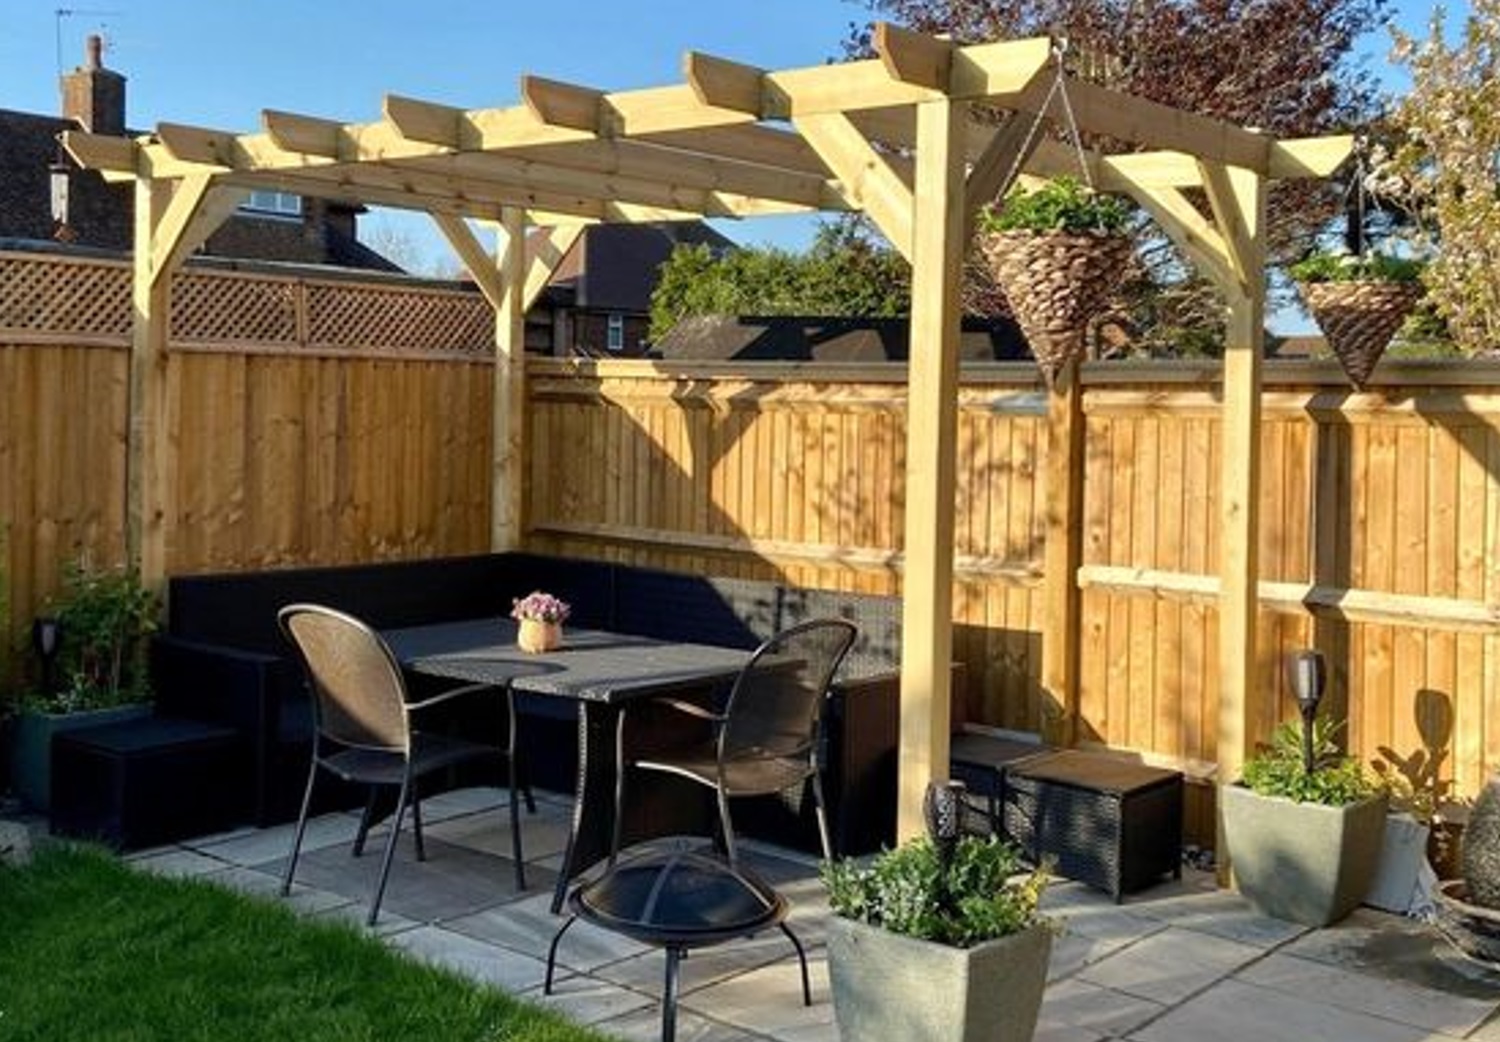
(1359, 319)
(1056, 283)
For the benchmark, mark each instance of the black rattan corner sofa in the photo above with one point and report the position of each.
(221, 661)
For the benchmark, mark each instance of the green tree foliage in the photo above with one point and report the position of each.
(1285, 66)
(846, 272)
(1447, 164)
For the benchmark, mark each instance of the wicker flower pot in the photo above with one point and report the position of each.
(1359, 319)
(536, 636)
(1056, 283)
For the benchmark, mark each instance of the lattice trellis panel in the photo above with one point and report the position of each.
(47, 295)
(234, 309)
(398, 318)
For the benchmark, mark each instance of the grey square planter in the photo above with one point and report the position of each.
(31, 746)
(886, 986)
(1305, 862)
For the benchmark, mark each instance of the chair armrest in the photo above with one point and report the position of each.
(690, 708)
(452, 693)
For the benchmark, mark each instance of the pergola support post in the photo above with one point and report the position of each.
(508, 433)
(171, 219)
(938, 213)
(1239, 202)
(1061, 638)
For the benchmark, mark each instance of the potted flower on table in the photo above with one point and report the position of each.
(540, 616)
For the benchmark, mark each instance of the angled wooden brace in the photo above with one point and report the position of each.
(869, 182)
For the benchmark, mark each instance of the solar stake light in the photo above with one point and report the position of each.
(942, 813)
(46, 635)
(1309, 677)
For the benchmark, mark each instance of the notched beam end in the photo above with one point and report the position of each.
(424, 121)
(562, 104)
(912, 57)
(111, 156)
(197, 144)
(722, 83)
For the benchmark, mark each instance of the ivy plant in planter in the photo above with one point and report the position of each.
(945, 946)
(1358, 302)
(1304, 843)
(1058, 253)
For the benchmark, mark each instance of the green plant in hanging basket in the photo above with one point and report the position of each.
(1058, 253)
(1063, 204)
(1358, 302)
(1325, 266)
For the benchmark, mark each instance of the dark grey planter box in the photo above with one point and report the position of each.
(31, 747)
(1304, 862)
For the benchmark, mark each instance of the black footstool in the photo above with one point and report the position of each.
(677, 900)
(146, 782)
(981, 762)
(1111, 823)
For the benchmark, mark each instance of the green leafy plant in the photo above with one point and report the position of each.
(1346, 267)
(104, 618)
(1061, 205)
(984, 895)
(1277, 769)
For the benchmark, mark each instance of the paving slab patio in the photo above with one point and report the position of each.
(1179, 962)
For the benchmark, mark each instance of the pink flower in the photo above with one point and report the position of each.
(543, 607)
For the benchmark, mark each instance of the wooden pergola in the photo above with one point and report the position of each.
(891, 137)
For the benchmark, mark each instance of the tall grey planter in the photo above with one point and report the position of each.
(886, 986)
(1305, 862)
(31, 746)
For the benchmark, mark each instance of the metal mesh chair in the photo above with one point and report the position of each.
(363, 730)
(766, 738)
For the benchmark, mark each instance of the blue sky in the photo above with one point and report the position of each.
(219, 62)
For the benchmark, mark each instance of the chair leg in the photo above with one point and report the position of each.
(390, 850)
(731, 852)
(802, 960)
(552, 953)
(416, 819)
(620, 768)
(515, 825)
(822, 815)
(366, 820)
(291, 863)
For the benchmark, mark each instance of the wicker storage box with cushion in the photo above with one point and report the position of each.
(1111, 823)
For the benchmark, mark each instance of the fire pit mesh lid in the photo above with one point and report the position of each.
(679, 897)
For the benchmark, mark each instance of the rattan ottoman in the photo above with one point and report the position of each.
(1103, 821)
(981, 762)
(145, 782)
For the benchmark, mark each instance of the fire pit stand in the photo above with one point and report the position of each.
(678, 900)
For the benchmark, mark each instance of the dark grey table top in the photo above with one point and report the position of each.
(591, 665)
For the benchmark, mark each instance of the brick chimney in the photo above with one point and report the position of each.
(94, 95)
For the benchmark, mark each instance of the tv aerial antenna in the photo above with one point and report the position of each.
(60, 14)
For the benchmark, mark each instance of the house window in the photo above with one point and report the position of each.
(616, 338)
(280, 204)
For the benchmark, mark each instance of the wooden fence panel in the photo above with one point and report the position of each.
(1381, 511)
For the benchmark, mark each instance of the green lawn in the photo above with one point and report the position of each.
(91, 950)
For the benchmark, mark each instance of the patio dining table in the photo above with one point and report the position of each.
(597, 672)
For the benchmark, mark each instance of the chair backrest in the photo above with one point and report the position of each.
(359, 696)
(777, 700)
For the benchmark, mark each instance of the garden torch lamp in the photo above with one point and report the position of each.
(942, 813)
(46, 631)
(1309, 675)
